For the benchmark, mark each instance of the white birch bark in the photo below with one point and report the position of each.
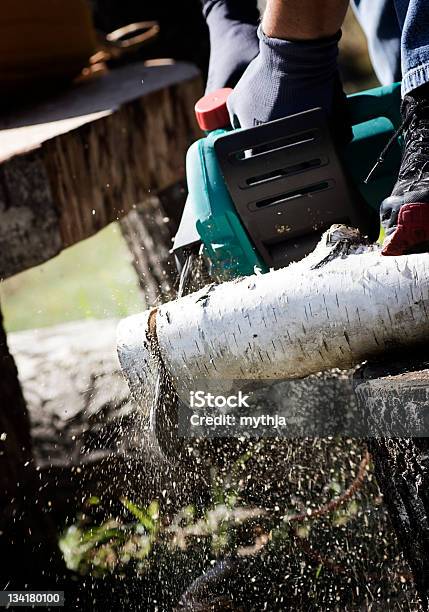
(338, 307)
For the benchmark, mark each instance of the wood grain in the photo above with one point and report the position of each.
(70, 167)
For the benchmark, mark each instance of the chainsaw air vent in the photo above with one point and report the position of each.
(299, 193)
(277, 145)
(287, 184)
(282, 172)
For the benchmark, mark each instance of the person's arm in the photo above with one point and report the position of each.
(303, 19)
(296, 68)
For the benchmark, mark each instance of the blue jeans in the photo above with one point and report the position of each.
(398, 39)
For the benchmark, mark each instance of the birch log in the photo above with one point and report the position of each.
(341, 305)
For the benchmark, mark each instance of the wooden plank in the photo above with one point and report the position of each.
(71, 166)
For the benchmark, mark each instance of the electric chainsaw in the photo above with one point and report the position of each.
(260, 198)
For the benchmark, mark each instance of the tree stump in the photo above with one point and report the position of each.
(395, 398)
(27, 532)
(149, 232)
(74, 164)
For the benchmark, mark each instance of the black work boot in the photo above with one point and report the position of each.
(405, 214)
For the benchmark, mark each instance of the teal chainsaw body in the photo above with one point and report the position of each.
(260, 198)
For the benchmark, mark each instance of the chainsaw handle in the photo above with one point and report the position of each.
(377, 102)
(212, 113)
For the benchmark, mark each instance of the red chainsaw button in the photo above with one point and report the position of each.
(211, 110)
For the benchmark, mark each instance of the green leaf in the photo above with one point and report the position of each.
(142, 515)
(98, 535)
(153, 510)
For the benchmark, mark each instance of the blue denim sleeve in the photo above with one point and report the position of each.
(379, 21)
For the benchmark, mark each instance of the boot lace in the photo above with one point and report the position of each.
(417, 123)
